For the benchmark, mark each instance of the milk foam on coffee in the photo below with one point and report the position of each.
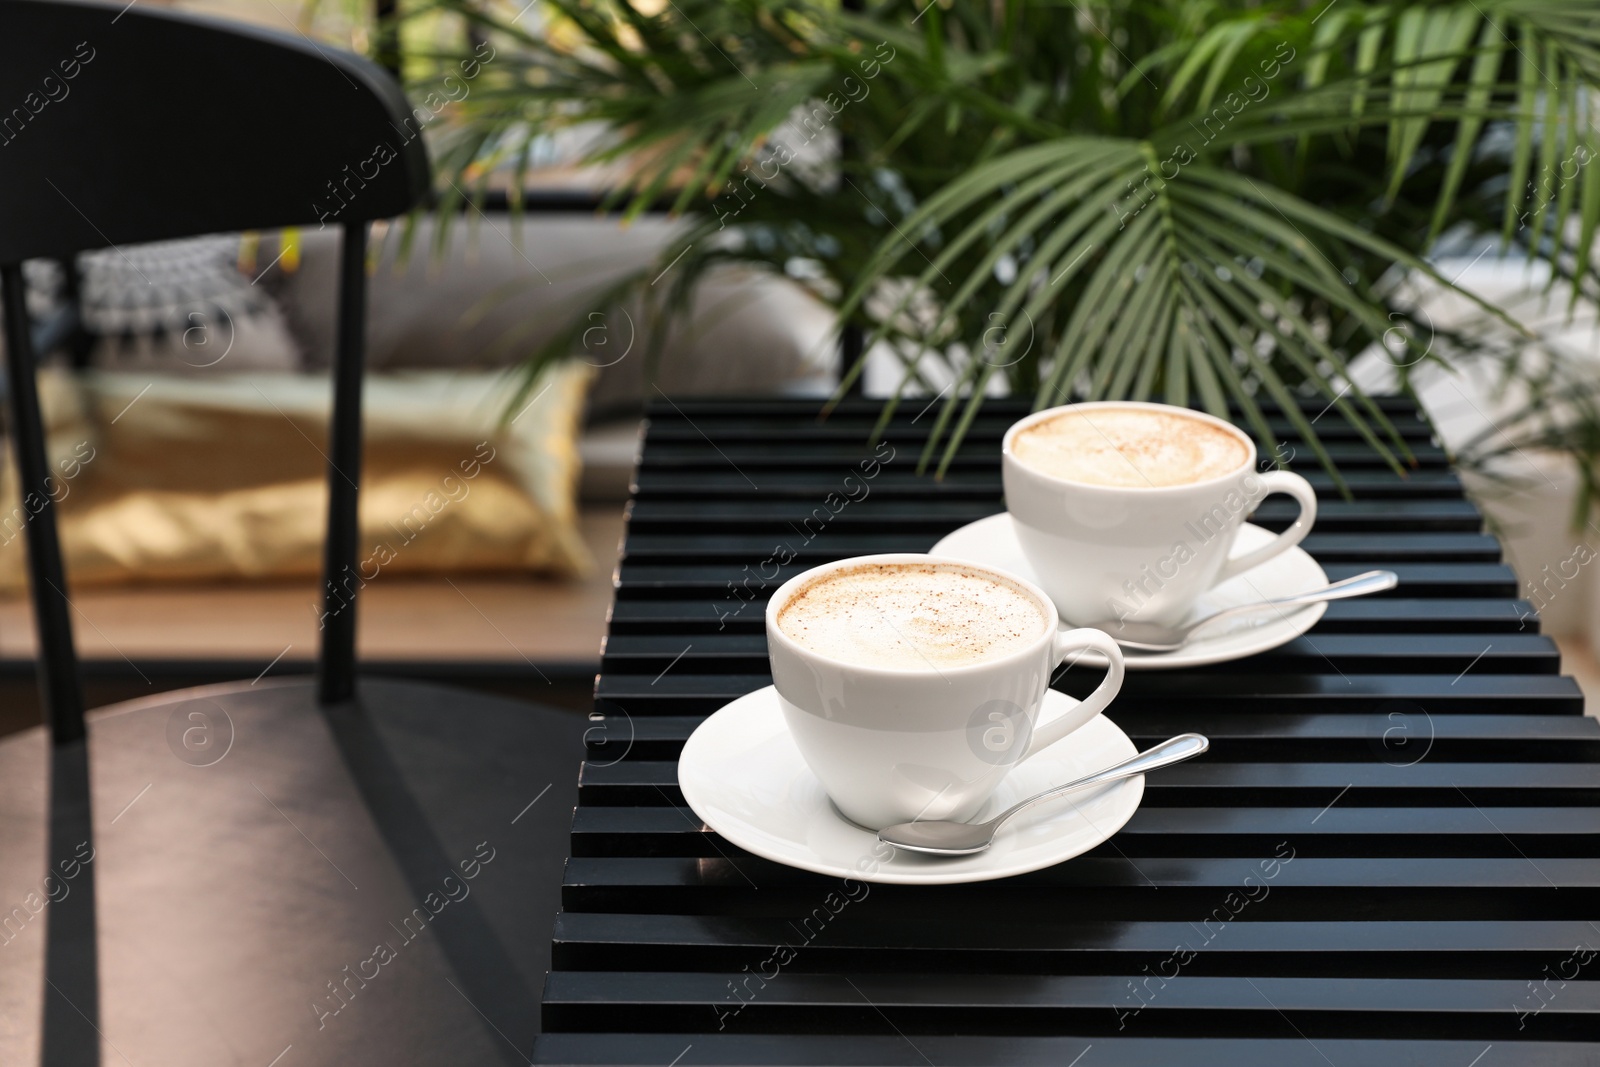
(1134, 448)
(911, 616)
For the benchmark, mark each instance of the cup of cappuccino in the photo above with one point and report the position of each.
(1130, 510)
(912, 684)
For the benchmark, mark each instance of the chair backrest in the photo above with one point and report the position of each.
(125, 124)
(122, 124)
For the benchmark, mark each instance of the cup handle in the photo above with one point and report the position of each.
(1046, 734)
(1300, 489)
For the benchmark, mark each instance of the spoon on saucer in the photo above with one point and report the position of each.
(960, 838)
(1153, 637)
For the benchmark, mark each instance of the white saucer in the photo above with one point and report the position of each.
(741, 773)
(994, 542)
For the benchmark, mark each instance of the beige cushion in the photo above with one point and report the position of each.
(181, 478)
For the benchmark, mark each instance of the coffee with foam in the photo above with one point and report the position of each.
(1130, 448)
(912, 616)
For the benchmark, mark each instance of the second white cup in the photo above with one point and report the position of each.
(1116, 552)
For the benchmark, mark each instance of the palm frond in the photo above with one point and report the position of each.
(1182, 200)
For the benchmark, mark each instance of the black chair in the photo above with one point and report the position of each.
(272, 872)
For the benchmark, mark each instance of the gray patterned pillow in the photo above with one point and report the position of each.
(181, 307)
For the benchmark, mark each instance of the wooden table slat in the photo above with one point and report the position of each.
(1003, 1004)
(841, 452)
(741, 613)
(1085, 943)
(1321, 729)
(732, 478)
(796, 519)
(1449, 547)
(1274, 784)
(678, 691)
(709, 579)
(741, 653)
(918, 1050)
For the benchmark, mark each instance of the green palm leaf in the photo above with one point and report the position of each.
(1191, 201)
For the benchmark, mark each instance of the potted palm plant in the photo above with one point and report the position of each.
(1208, 203)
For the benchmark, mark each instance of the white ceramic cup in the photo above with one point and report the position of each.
(891, 744)
(1111, 553)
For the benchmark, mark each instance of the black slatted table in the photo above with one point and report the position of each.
(1415, 772)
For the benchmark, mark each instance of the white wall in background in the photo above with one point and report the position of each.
(1558, 564)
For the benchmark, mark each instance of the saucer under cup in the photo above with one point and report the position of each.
(744, 778)
(993, 541)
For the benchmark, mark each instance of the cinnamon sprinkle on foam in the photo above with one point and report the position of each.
(911, 616)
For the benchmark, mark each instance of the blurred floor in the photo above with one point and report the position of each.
(1578, 660)
(524, 627)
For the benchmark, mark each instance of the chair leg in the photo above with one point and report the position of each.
(336, 668)
(71, 1024)
(60, 691)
